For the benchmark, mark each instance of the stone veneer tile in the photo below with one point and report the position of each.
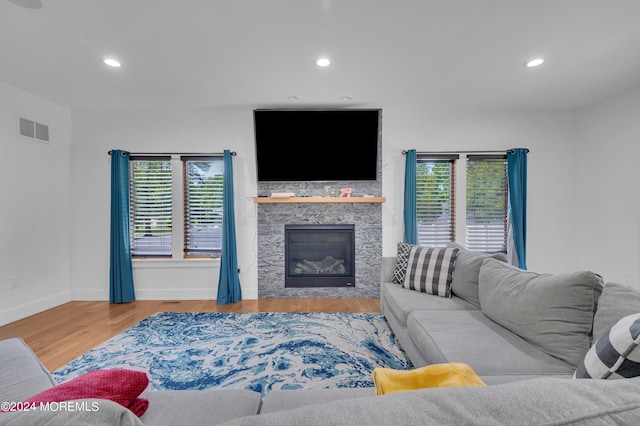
(367, 218)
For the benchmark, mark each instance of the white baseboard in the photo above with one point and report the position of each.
(34, 307)
(163, 294)
(250, 293)
(187, 294)
(174, 294)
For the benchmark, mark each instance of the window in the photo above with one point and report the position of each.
(487, 203)
(157, 185)
(151, 206)
(480, 190)
(202, 206)
(435, 188)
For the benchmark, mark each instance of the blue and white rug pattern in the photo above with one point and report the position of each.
(255, 351)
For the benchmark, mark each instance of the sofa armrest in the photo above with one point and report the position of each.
(537, 401)
(388, 266)
(22, 373)
(95, 412)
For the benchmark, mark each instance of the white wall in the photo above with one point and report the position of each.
(35, 209)
(583, 210)
(608, 202)
(593, 225)
(201, 131)
(550, 135)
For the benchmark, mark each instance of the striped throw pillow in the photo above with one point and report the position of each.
(430, 270)
(616, 354)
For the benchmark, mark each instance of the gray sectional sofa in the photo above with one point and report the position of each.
(507, 324)
(523, 333)
(549, 401)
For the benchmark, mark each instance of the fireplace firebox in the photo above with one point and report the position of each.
(319, 255)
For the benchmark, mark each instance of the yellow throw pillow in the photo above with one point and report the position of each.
(388, 380)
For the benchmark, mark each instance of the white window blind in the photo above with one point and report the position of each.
(486, 197)
(435, 189)
(150, 215)
(203, 205)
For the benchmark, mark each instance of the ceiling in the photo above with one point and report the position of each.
(213, 53)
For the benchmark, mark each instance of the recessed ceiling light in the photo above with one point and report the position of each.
(346, 98)
(293, 98)
(534, 63)
(112, 62)
(323, 62)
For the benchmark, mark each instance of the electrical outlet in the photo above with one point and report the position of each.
(13, 281)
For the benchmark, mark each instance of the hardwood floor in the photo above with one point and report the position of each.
(63, 333)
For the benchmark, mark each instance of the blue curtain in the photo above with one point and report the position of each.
(517, 175)
(410, 202)
(120, 271)
(229, 290)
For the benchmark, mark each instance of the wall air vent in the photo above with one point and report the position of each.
(33, 130)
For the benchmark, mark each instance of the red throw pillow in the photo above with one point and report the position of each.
(121, 386)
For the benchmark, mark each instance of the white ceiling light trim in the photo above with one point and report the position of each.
(323, 62)
(534, 63)
(114, 63)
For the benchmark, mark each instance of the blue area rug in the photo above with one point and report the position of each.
(256, 351)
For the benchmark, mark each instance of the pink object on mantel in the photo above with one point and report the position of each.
(345, 192)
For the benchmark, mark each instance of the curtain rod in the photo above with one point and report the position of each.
(404, 152)
(175, 153)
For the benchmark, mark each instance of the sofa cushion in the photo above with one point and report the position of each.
(281, 400)
(552, 312)
(617, 301)
(430, 270)
(199, 407)
(23, 375)
(402, 260)
(466, 273)
(470, 337)
(616, 355)
(400, 302)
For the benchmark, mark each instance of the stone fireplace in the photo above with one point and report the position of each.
(366, 220)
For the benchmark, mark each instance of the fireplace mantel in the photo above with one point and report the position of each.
(283, 200)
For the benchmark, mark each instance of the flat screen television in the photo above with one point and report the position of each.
(316, 145)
